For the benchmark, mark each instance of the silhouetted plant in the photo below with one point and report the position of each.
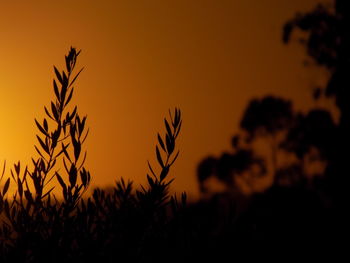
(327, 43)
(146, 224)
(140, 217)
(34, 215)
(157, 192)
(37, 226)
(300, 207)
(269, 118)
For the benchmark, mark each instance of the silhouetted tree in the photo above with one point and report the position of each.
(328, 43)
(264, 118)
(267, 118)
(227, 167)
(302, 206)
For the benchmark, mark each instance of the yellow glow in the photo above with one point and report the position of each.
(206, 57)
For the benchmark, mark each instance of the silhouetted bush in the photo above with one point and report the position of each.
(123, 224)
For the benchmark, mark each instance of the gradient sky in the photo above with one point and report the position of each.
(142, 58)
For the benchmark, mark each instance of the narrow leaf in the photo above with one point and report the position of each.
(69, 97)
(68, 63)
(73, 175)
(172, 162)
(55, 88)
(170, 144)
(54, 111)
(164, 173)
(43, 145)
(41, 128)
(76, 76)
(48, 113)
(6, 186)
(159, 157)
(46, 126)
(36, 148)
(20, 187)
(64, 80)
(178, 129)
(150, 180)
(58, 75)
(83, 177)
(60, 180)
(167, 127)
(150, 167)
(47, 193)
(161, 143)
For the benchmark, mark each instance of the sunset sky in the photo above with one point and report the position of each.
(209, 58)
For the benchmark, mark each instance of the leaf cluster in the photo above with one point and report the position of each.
(37, 226)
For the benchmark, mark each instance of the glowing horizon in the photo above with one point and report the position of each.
(207, 58)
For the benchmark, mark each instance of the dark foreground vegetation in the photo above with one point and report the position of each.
(127, 224)
(306, 204)
(302, 208)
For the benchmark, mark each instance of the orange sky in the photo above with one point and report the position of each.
(142, 58)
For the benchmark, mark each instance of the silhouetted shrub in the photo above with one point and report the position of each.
(122, 224)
